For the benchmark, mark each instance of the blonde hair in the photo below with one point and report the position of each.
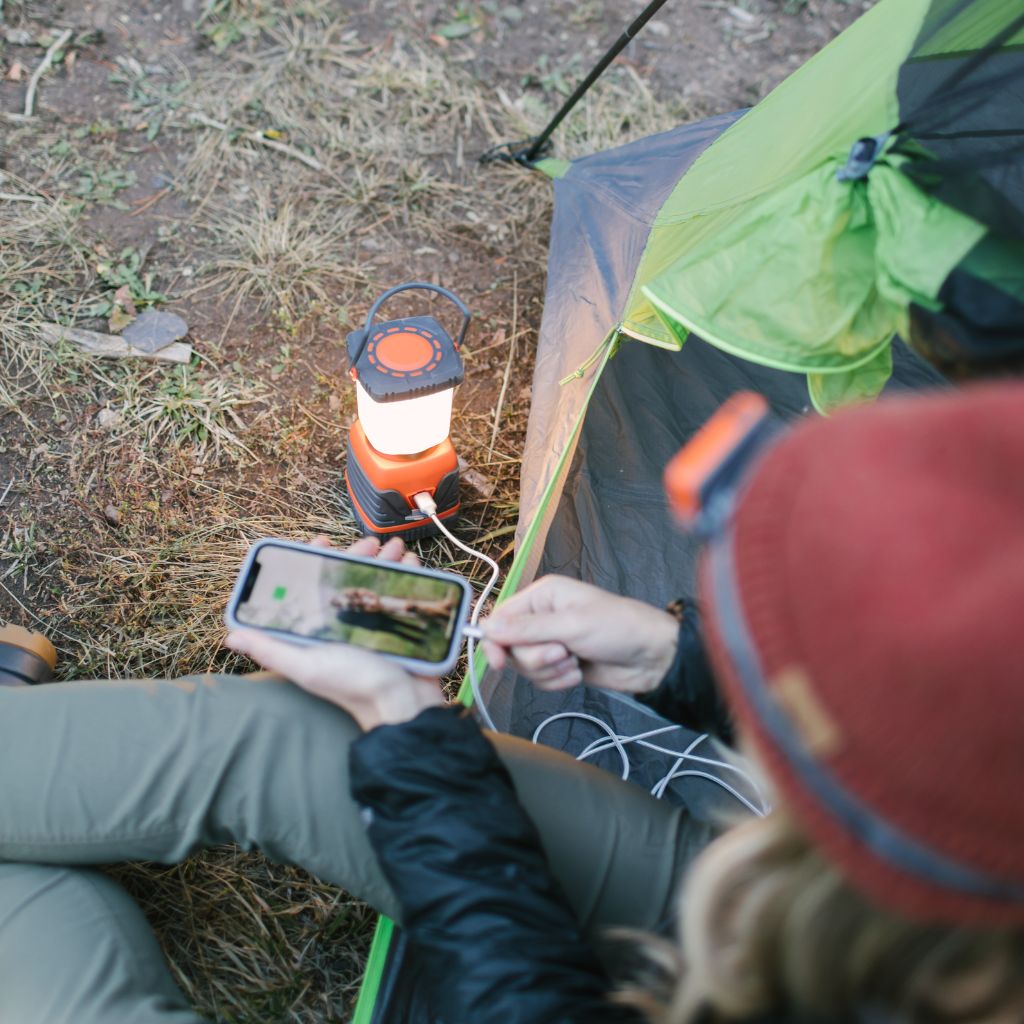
(767, 924)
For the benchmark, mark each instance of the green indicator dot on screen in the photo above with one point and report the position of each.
(279, 593)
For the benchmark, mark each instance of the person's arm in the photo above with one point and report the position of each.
(478, 900)
(560, 632)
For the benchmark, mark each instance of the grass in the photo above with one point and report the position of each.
(282, 256)
(221, 906)
(42, 269)
(178, 560)
(188, 406)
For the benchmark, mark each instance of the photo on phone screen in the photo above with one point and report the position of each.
(320, 597)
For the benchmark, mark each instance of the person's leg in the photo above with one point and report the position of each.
(106, 771)
(75, 949)
(618, 853)
(99, 772)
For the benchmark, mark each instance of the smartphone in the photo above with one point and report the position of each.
(309, 594)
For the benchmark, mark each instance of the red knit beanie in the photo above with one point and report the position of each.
(865, 613)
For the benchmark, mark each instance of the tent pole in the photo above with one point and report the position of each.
(537, 145)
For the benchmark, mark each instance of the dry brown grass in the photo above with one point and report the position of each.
(42, 267)
(254, 941)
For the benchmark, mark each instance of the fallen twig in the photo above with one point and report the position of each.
(109, 346)
(41, 195)
(280, 147)
(58, 44)
(499, 405)
(151, 201)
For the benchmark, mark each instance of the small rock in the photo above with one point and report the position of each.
(19, 37)
(112, 515)
(154, 330)
(739, 14)
(109, 419)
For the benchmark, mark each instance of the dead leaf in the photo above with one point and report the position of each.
(124, 311)
(16, 72)
(483, 485)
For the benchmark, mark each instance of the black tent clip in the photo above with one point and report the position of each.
(520, 152)
(863, 155)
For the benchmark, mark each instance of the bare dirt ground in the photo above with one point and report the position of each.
(264, 168)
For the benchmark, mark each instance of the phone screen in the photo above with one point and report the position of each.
(379, 607)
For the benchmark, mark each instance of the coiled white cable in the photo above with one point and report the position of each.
(618, 742)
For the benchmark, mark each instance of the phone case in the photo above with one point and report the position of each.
(413, 664)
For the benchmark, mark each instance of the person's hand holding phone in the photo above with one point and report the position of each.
(373, 689)
(560, 632)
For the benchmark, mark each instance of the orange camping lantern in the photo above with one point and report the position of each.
(405, 373)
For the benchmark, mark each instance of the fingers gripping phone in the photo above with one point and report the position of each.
(308, 594)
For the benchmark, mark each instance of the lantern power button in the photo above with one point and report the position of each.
(405, 358)
(402, 351)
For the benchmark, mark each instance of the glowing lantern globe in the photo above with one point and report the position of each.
(405, 372)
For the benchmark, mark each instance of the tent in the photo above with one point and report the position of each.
(879, 191)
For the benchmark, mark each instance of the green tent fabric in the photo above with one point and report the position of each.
(767, 250)
(818, 277)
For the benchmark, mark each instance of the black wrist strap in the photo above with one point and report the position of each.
(688, 693)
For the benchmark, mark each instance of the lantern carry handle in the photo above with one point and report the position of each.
(425, 286)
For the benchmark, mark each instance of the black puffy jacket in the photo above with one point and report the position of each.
(490, 924)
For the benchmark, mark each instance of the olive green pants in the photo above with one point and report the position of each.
(101, 772)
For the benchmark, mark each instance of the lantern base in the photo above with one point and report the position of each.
(381, 488)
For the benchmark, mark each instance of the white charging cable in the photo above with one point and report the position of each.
(611, 739)
(426, 504)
